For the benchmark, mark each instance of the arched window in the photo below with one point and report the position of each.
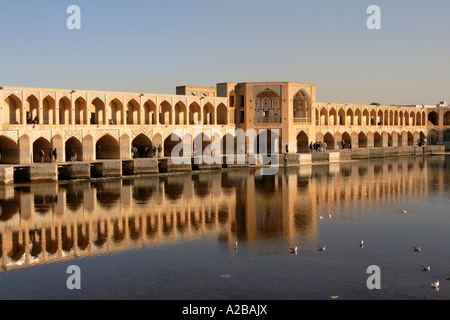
(267, 107)
(302, 107)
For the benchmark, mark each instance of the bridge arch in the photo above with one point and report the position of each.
(44, 145)
(9, 151)
(107, 147)
(73, 149)
(302, 142)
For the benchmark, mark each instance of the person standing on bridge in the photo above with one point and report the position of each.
(159, 151)
(42, 156)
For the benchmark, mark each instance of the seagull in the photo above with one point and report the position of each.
(435, 284)
(329, 216)
(405, 211)
(293, 250)
(321, 248)
(361, 244)
(426, 268)
(417, 249)
(320, 217)
(235, 245)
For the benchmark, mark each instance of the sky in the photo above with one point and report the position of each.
(153, 46)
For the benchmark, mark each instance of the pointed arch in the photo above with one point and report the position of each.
(373, 117)
(349, 116)
(377, 140)
(13, 110)
(341, 117)
(366, 117)
(380, 119)
(358, 117)
(81, 111)
(98, 112)
(107, 147)
(32, 108)
(346, 140)
(39, 145)
(302, 142)
(73, 149)
(267, 107)
(362, 140)
(180, 113)
(143, 145)
(9, 151)
(133, 114)
(302, 106)
(165, 113)
(332, 117)
(115, 112)
(323, 117)
(447, 118)
(150, 114)
(329, 140)
(64, 111)
(222, 114)
(171, 141)
(48, 110)
(419, 119)
(208, 114)
(195, 114)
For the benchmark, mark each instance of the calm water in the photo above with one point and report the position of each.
(172, 237)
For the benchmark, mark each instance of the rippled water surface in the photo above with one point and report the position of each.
(173, 237)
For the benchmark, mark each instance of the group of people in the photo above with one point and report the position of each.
(317, 146)
(52, 153)
(320, 146)
(34, 121)
(142, 152)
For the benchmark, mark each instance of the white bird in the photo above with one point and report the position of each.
(235, 245)
(361, 244)
(435, 284)
(426, 268)
(320, 217)
(321, 248)
(405, 211)
(329, 216)
(293, 250)
(417, 249)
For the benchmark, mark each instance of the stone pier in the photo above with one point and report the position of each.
(6, 175)
(46, 172)
(140, 166)
(106, 169)
(169, 165)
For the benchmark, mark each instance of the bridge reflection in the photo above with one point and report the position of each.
(53, 222)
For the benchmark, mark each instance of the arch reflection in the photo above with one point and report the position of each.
(52, 222)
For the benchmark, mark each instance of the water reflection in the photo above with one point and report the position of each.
(53, 222)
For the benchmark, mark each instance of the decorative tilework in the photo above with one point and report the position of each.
(146, 132)
(101, 132)
(69, 133)
(36, 134)
(12, 134)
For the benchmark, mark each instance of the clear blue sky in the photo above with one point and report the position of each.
(154, 46)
